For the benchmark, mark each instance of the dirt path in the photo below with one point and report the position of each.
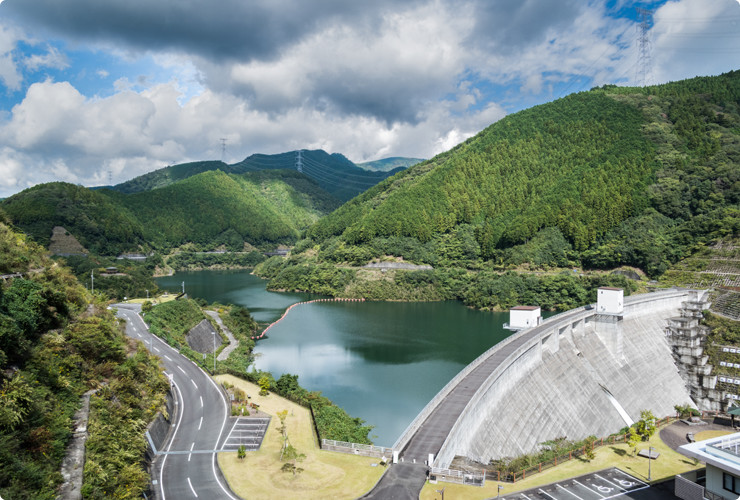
(233, 343)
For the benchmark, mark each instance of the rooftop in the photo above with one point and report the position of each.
(525, 308)
(722, 452)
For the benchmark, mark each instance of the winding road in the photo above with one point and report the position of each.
(186, 466)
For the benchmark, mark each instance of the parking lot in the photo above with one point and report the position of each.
(248, 432)
(605, 484)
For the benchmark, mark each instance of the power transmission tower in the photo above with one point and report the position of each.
(644, 62)
(299, 160)
(223, 148)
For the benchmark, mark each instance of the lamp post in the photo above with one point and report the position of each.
(147, 295)
(442, 492)
(214, 352)
(500, 487)
(650, 459)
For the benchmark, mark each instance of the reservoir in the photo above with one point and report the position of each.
(380, 361)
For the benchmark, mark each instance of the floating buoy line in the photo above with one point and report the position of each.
(336, 299)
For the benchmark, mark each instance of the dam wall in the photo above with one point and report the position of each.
(579, 373)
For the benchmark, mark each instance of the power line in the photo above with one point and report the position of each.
(644, 67)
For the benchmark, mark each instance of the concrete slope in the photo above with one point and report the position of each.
(559, 387)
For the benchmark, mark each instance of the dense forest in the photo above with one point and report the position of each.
(54, 346)
(206, 211)
(600, 179)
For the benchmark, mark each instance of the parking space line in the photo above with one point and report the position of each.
(621, 487)
(546, 493)
(630, 476)
(568, 491)
(591, 489)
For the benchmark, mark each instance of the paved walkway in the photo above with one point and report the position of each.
(233, 343)
(674, 435)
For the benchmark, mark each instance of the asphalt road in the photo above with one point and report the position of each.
(187, 466)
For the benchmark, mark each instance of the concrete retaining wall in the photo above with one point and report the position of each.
(158, 430)
(556, 384)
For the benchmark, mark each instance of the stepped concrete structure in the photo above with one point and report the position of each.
(577, 374)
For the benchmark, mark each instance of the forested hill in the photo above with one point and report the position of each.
(54, 346)
(209, 209)
(601, 178)
(333, 172)
(388, 164)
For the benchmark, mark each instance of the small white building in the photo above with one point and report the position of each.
(521, 317)
(722, 478)
(610, 300)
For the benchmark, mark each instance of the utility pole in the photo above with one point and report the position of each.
(644, 63)
(92, 282)
(299, 160)
(183, 288)
(223, 148)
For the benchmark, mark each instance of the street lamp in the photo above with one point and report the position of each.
(147, 295)
(500, 487)
(214, 352)
(442, 492)
(650, 459)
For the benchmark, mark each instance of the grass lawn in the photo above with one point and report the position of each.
(667, 465)
(704, 435)
(326, 474)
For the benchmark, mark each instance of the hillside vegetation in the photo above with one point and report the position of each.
(599, 179)
(205, 210)
(54, 346)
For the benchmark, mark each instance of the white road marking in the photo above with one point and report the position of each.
(545, 493)
(193, 381)
(156, 349)
(192, 489)
(201, 400)
(138, 334)
(167, 358)
(169, 446)
(191, 450)
(568, 491)
(180, 368)
(591, 489)
(200, 423)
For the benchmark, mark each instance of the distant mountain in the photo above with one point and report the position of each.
(388, 164)
(333, 172)
(208, 209)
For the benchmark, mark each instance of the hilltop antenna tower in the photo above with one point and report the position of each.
(223, 148)
(299, 160)
(644, 61)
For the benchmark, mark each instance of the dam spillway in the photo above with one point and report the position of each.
(568, 377)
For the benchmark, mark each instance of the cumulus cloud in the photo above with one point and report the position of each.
(366, 79)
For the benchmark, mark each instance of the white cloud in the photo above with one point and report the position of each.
(9, 73)
(52, 59)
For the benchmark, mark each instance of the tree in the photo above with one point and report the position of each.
(291, 457)
(633, 440)
(645, 427)
(264, 383)
(241, 453)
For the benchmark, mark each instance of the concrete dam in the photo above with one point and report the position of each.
(579, 373)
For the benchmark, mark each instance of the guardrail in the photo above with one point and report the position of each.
(457, 476)
(366, 450)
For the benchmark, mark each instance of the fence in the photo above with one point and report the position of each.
(457, 476)
(514, 476)
(366, 450)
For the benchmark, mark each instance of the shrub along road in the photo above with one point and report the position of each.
(186, 466)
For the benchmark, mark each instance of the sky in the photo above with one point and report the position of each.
(97, 92)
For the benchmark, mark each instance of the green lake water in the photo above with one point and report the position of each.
(380, 361)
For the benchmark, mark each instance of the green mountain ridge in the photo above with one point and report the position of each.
(388, 164)
(207, 209)
(333, 172)
(610, 177)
